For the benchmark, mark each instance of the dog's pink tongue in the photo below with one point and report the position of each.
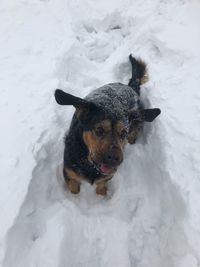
(105, 168)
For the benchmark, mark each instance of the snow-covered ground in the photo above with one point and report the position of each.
(151, 216)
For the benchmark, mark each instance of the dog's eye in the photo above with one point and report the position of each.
(123, 134)
(99, 131)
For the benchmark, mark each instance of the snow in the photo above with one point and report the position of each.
(152, 212)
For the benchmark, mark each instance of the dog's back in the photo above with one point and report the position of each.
(115, 99)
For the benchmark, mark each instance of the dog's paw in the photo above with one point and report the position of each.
(101, 191)
(73, 186)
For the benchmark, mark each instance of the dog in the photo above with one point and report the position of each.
(103, 123)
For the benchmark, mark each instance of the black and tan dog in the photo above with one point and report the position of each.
(104, 121)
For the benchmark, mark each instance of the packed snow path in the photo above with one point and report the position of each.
(151, 214)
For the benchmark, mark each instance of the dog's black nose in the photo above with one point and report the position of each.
(113, 158)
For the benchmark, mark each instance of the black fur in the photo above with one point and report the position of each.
(114, 101)
(76, 152)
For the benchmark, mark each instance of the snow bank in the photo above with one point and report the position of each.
(151, 214)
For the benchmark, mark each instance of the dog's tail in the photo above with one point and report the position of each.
(139, 74)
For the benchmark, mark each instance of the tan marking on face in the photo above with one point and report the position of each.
(98, 146)
(95, 144)
(119, 128)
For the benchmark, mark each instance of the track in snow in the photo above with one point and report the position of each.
(140, 222)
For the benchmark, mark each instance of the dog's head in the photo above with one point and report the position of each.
(104, 134)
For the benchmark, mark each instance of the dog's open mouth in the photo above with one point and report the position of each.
(104, 168)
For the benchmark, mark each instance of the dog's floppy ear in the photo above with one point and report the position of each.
(149, 114)
(63, 98)
(144, 115)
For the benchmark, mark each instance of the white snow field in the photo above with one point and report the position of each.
(151, 216)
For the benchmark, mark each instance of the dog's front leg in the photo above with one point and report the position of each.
(101, 186)
(73, 180)
(73, 186)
